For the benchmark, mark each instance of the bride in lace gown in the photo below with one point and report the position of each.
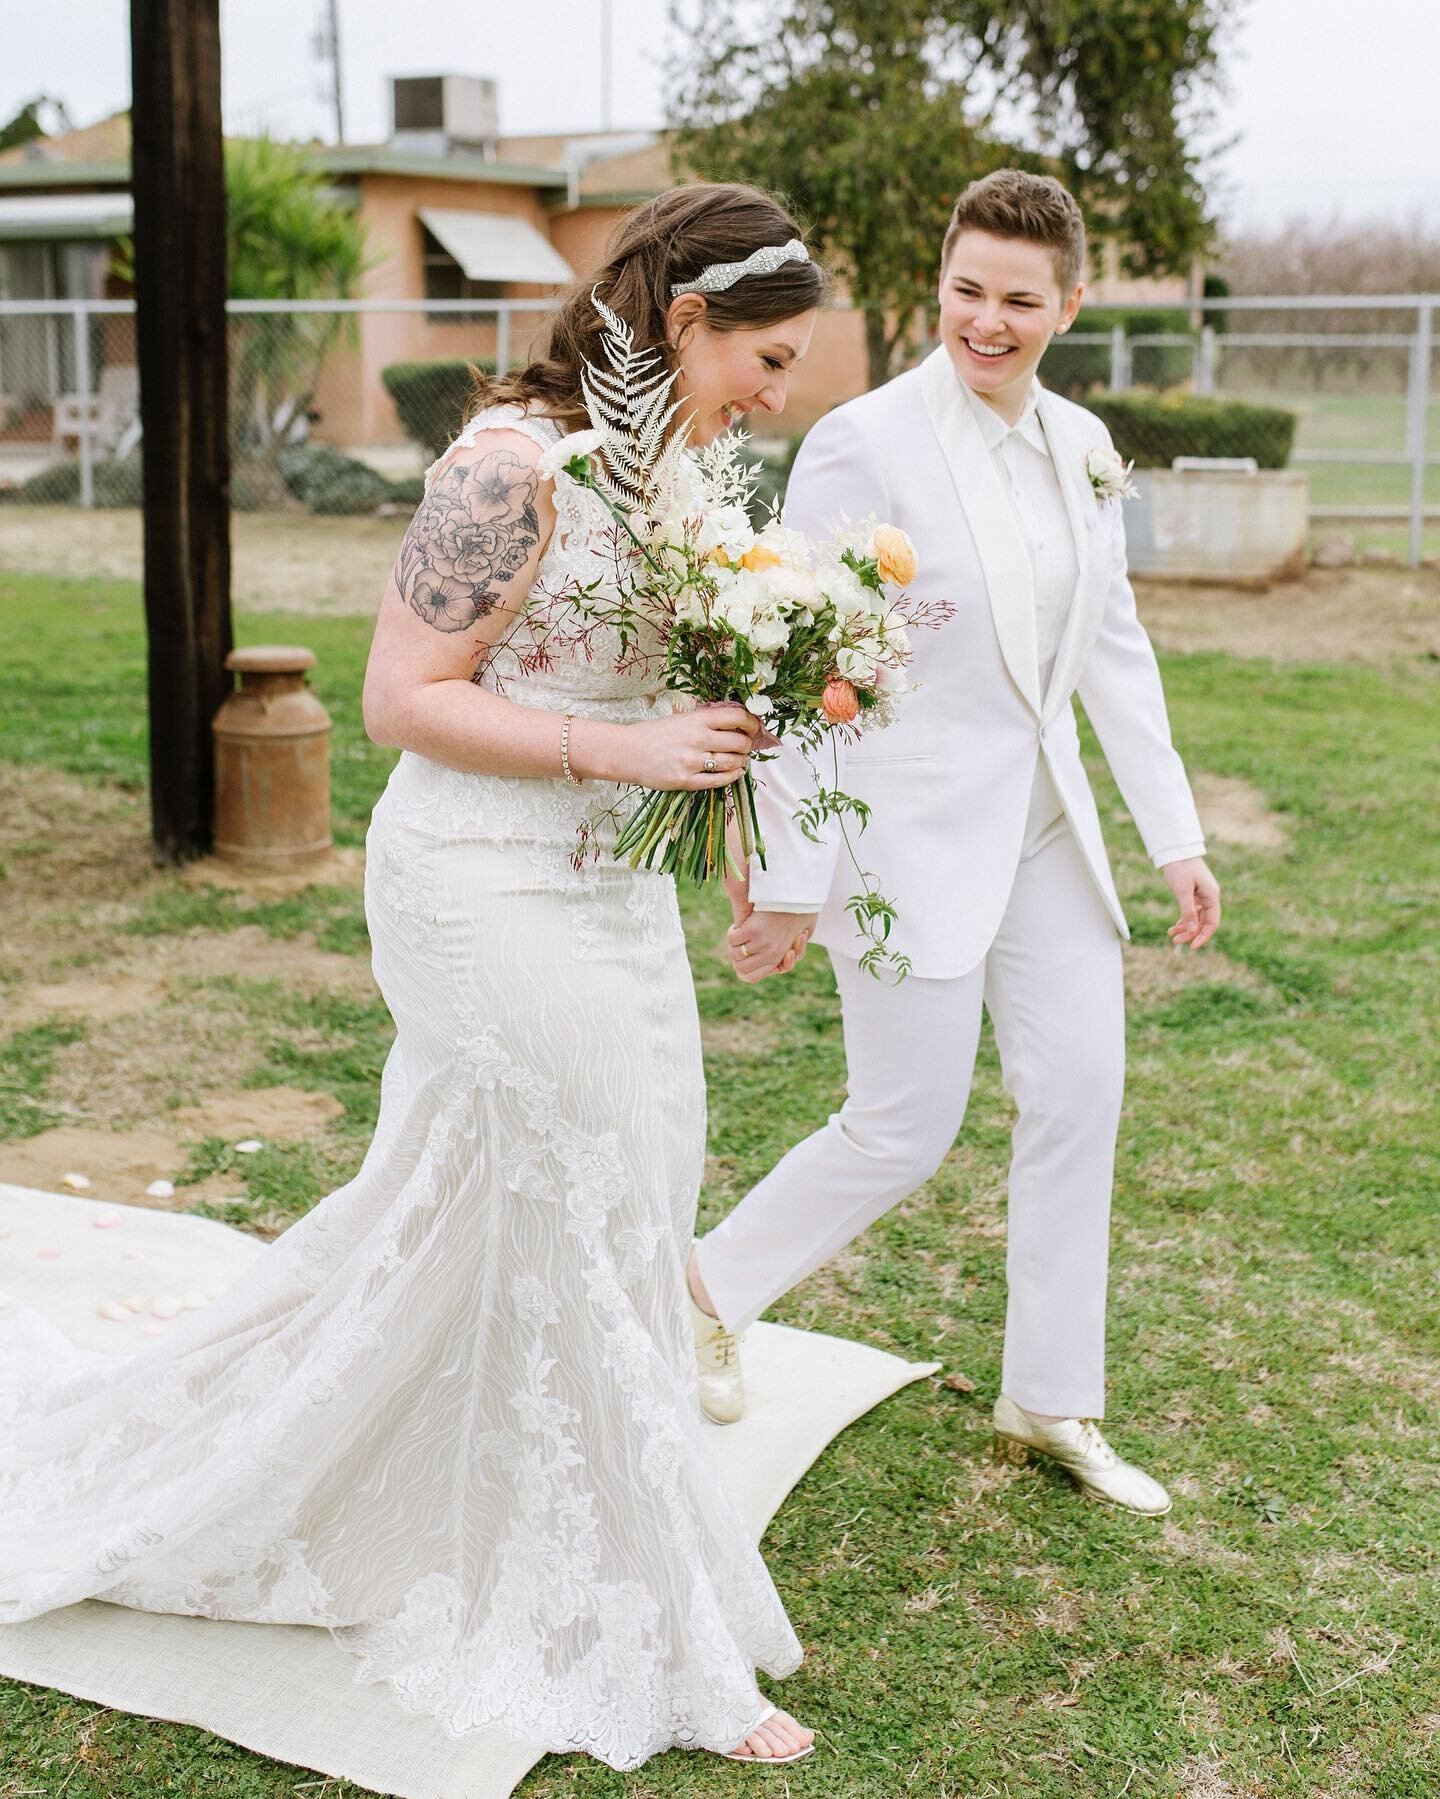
(451, 1414)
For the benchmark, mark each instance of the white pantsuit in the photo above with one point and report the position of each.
(984, 833)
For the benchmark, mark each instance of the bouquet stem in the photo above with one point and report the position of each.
(684, 833)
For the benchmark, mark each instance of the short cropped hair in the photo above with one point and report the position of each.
(1036, 208)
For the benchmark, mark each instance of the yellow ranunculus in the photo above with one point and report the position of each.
(894, 555)
(758, 557)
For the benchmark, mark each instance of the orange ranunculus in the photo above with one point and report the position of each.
(841, 703)
(894, 555)
(758, 557)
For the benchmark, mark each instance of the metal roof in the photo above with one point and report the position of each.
(493, 246)
(63, 217)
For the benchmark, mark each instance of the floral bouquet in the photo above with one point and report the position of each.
(806, 635)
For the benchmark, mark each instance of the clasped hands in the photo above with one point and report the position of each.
(763, 943)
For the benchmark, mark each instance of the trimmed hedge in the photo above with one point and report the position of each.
(1073, 369)
(117, 483)
(1153, 429)
(433, 397)
(328, 481)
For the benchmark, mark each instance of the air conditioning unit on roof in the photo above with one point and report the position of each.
(431, 114)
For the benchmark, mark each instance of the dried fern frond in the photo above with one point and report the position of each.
(629, 404)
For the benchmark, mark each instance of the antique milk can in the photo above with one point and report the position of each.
(272, 762)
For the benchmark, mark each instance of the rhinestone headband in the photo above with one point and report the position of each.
(764, 261)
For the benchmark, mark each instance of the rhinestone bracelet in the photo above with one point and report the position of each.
(570, 775)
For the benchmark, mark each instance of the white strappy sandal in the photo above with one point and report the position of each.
(766, 1761)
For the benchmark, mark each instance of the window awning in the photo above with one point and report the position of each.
(491, 246)
(60, 218)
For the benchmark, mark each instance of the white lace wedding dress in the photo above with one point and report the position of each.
(450, 1415)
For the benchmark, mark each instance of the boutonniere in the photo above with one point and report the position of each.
(1109, 475)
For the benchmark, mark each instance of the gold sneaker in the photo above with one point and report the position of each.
(722, 1385)
(1077, 1445)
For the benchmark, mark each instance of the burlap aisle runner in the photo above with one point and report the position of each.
(287, 1691)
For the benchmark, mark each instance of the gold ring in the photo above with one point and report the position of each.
(744, 949)
(710, 765)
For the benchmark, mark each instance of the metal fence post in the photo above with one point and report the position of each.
(1416, 421)
(81, 322)
(1205, 361)
(502, 342)
(1119, 372)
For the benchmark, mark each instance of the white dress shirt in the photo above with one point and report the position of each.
(1021, 453)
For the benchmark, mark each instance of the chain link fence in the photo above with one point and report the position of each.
(1346, 388)
(338, 407)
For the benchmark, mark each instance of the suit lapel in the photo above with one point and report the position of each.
(1091, 554)
(1004, 559)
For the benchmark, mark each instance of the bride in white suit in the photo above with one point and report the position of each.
(984, 833)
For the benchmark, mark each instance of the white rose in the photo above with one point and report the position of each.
(578, 443)
(792, 547)
(890, 679)
(736, 602)
(768, 632)
(846, 592)
(790, 588)
(725, 528)
(760, 704)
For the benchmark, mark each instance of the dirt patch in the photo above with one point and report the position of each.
(1374, 615)
(1196, 1548)
(283, 1114)
(744, 1038)
(250, 954)
(1156, 972)
(1233, 811)
(281, 562)
(336, 868)
(89, 1001)
(120, 1165)
(76, 862)
(136, 1070)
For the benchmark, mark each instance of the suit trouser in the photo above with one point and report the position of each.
(1052, 984)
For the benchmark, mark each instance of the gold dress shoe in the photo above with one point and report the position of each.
(722, 1385)
(1077, 1445)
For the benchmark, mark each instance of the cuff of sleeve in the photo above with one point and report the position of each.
(1182, 854)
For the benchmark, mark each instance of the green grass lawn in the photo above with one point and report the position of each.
(973, 1628)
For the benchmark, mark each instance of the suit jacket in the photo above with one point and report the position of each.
(949, 783)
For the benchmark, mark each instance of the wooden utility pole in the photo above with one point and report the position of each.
(178, 178)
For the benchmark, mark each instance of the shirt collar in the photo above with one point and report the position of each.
(993, 428)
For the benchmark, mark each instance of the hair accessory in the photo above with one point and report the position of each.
(763, 261)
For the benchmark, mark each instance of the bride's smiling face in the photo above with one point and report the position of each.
(1000, 305)
(725, 376)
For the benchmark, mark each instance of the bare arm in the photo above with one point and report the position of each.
(464, 569)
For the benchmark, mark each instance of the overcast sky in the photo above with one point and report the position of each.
(1334, 106)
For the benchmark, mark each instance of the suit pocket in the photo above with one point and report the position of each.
(863, 763)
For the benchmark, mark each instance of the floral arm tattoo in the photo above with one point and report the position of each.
(475, 529)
